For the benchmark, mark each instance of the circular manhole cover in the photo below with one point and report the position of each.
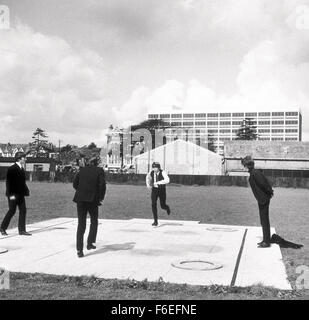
(221, 229)
(3, 250)
(197, 265)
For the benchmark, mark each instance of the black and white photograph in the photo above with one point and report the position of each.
(154, 154)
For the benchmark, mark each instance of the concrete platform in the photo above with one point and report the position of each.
(133, 249)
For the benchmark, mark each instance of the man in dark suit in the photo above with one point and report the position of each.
(16, 191)
(90, 187)
(263, 192)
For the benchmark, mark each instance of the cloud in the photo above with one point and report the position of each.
(45, 83)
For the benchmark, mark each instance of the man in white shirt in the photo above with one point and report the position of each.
(157, 179)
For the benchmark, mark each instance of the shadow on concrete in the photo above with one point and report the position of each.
(165, 224)
(177, 250)
(113, 247)
(131, 230)
(47, 230)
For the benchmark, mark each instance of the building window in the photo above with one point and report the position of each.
(264, 114)
(251, 114)
(188, 123)
(176, 115)
(212, 123)
(225, 115)
(238, 114)
(291, 122)
(291, 139)
(264, 123)
(237, 123)
(175, 123)
(188, 115)
(278, 122)
(277, 130)
(264, 130)
(153, 116)
(200, 115)
(291, 130)
(212, 115)
(277, 139)
(277, 114)
(212, 131)
(225, 131)
(291, 114)
(164, 116)
(200, 123)
(225, 123)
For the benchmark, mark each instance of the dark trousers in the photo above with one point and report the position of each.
(264, 217)
(82, 209)
(13, 204)
(155, 194)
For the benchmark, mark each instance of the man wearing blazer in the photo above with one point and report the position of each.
(263, 192)
(16, 191)
(90, 187)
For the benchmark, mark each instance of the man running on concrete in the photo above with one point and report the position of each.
(157, 179)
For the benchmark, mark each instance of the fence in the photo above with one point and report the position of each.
(201, 180)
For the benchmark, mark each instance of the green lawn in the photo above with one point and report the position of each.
(221, 205)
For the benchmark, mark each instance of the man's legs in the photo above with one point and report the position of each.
(162, 197)
(154, 198)
(82, 218)
(94, 213)
(264, 217)
(22, 214)
(7, 219)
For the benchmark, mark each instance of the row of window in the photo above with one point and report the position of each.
(222, 115)
(234, 123)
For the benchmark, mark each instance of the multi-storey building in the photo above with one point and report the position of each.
(272, 125)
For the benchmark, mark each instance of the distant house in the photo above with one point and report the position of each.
(181, 157)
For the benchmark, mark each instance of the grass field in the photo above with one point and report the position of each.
(220, 205)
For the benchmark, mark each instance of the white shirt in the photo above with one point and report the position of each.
(19, 165)
(165, 180)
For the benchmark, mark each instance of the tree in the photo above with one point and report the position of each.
(92, 145)
(247, 130)
(40, 146)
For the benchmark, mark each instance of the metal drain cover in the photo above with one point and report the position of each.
(197, 265)
(221, 229)
(3, 250)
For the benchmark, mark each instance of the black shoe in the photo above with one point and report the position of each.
(3, 232)
(91, 246)
(155, 224)
(264, 244)
(168, 210)
(80, 254)
(260, 243)
(24, 233)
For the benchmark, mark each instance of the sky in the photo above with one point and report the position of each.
(74, 67)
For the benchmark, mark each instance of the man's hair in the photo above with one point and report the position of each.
(94, 161)
(156, 165)
(19, 155)
(248, 162)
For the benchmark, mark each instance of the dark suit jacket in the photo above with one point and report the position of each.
(260, 186)
(90, 185)
(16, 182)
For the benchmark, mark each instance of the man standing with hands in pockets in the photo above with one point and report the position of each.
(16, 191)
(156, 180)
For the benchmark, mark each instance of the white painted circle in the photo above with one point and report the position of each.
(3, 250)
(202, 265)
